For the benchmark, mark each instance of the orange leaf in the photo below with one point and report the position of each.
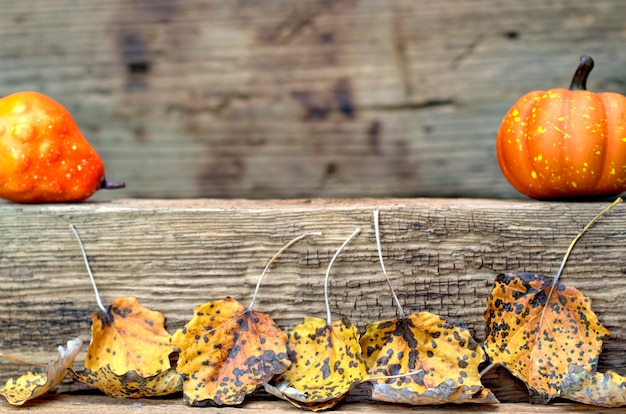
(443, 357)
(595, 388)
(35, 384)
(129, 337)
(326, 363)
(536, 332)
(227, 351)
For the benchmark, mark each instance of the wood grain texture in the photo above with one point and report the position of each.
(303, 98)
(54, 404)
(442, 256)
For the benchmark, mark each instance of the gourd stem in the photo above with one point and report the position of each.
(579, 81)
(108, 185)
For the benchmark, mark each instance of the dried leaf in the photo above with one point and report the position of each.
(131, 385)
(444, 357)
(594, 388)
(33, 385)
(227, 351)
(536, 331)
(326, 363)
(129, 337)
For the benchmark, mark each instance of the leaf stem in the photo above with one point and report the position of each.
(269, 263)
(382, 265)
(578, 236)
(22, 361)
(330, 264)
(93, 280)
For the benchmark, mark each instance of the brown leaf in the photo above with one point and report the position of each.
(35, 384)
(227, 351)
(594, 388)
(325, 363)
(536, 332)
(443, 357)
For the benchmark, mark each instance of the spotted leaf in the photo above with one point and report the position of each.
(35, 384)
(443, 357)
(129, 337)
(227, 351)
(325, 363)
(594, 388)
(131, 385)
(536, 331)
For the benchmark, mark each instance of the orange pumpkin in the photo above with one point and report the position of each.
(565, 143)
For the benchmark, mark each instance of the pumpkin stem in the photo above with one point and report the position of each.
(579, 81)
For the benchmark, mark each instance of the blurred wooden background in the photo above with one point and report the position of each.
(307, 98)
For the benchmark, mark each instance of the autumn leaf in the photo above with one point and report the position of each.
(129, 349)
(594, 388)
(326, 364)
(130, 384)
(228, 350)
(444, 357)
(421, 358)
(536, 331)
(129, 337)
(325, 359)
(35, 384)
(537, 327)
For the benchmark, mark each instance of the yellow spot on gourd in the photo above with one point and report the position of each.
(540, 129)
(517, 119)
(624, 139)
(533, 174)
(574, 184)
(612, 171)
(561, 118)
(515, 112)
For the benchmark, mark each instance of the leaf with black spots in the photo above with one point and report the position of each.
(443, 359)
(536, 331)
(421, 359)
(325, 364)
(325, 358)
(537, 327)
(130, 384)
(35, 384)
(125, 336)
(594, 388)
(129, 337)
(227, 351)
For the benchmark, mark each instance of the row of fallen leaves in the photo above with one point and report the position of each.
(543, 332)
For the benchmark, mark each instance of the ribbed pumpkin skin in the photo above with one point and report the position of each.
(565, 144)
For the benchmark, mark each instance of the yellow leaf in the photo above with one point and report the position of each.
(32, 385)
(227, 351)
(129, 337)
(326, 363)
(131, 385)
(594, 388)
(443, 357)
(537, 331)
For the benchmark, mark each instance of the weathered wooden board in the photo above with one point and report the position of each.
(105, 405)
(442, 256)
(303, 98)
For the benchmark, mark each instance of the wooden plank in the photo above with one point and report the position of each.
(304, 98)
(88, 404)
(442, 256)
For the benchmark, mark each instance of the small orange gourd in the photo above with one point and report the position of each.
(43, 155)
(565, 143)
